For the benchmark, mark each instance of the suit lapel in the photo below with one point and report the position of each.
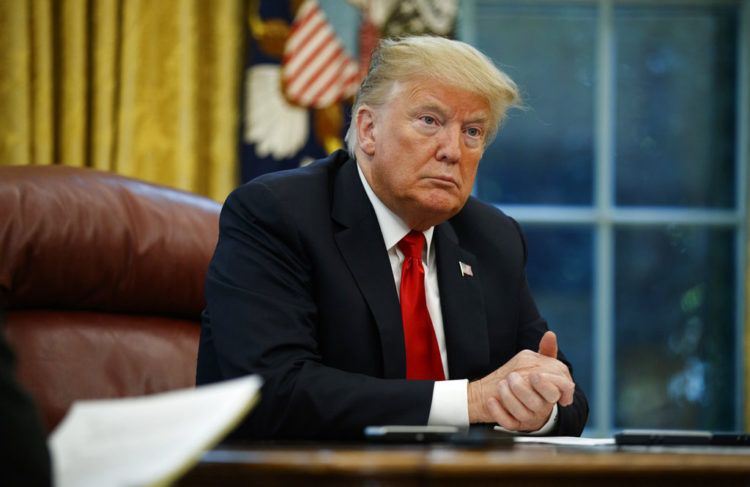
(361, 244)
(462, 303)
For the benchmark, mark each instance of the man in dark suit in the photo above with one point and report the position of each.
(24, 458)
(357, 285)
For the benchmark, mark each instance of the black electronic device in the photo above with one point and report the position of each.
(655, 437)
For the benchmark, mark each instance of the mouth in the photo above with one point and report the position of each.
(446, 181)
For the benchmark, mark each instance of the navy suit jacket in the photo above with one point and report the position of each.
(300, 291)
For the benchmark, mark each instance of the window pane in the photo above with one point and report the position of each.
(544, 154)
(675, 328)
(560, 275)
(676, 79)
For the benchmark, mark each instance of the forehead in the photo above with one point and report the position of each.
(429, 94)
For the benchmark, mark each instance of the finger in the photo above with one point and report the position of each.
(528, 360)
(545, 388)
(548, 345)
(553, 388)
(501, 416)
(512, 404)
(543, 364)
(568, 395)
(567, 389)
(529, 396)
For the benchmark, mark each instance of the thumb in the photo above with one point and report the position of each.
(548, 345)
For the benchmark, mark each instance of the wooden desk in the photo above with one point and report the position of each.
(527, 465)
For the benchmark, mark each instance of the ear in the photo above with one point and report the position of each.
(366, 129)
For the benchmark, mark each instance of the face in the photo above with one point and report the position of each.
(420, 151)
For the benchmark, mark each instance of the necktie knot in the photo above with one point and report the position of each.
(412, 244)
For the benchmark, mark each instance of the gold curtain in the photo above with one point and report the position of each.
(147, 89)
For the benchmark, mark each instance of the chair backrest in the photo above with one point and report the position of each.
(102, 277)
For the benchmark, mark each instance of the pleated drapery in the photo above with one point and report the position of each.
(148, 89)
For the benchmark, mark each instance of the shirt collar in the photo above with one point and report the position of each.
(392, 226)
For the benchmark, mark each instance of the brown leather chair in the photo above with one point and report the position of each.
(102, 277)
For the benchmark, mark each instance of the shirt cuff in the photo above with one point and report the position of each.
(450, 404)
(547, 428)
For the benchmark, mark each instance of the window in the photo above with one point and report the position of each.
(627, 171)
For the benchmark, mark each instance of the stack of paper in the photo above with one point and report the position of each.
(149, 440)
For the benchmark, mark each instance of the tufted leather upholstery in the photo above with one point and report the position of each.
(102, 277)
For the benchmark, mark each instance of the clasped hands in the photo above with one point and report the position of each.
(520, 395)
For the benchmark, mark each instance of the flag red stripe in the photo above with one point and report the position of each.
(336, 81)
(326, 63)
(297, 24)
(328, 80)
(324, 48)
(339, 88)
(311, 49)
(294, 47)
(316, 69)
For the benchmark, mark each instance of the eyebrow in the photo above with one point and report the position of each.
(441, 111)
(433, 107)
(481, 119)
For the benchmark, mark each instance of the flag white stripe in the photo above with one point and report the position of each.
(340, 86)
(320, 66)
(323, 80)
(343, 86)
(315, 68)
(304, 28)
(308, 29)
(341, 89)
(298, 82)
(308, 50)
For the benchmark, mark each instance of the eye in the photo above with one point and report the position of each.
(474, 132)
(428, 119)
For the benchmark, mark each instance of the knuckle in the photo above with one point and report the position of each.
(516, 383)
(503, 390)
(526, 354)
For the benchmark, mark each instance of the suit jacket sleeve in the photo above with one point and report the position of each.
(24, 458)
(262, 319)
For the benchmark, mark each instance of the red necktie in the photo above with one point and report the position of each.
(422, 352)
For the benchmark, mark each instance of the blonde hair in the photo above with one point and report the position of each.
(446, 61)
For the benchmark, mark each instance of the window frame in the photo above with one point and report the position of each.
(604, 216)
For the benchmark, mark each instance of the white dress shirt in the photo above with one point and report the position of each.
(450, 403)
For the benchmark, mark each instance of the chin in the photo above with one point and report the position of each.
(436, 207)
(440, 213)
(448, 203)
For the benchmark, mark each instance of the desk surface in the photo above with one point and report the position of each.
(526, 464)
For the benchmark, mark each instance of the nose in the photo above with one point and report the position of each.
(449, 145)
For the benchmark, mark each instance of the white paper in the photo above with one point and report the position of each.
(565, 440)
(149, 440)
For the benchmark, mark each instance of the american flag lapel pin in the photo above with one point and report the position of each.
(465, 269)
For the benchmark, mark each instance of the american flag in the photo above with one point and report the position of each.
(316, 71)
